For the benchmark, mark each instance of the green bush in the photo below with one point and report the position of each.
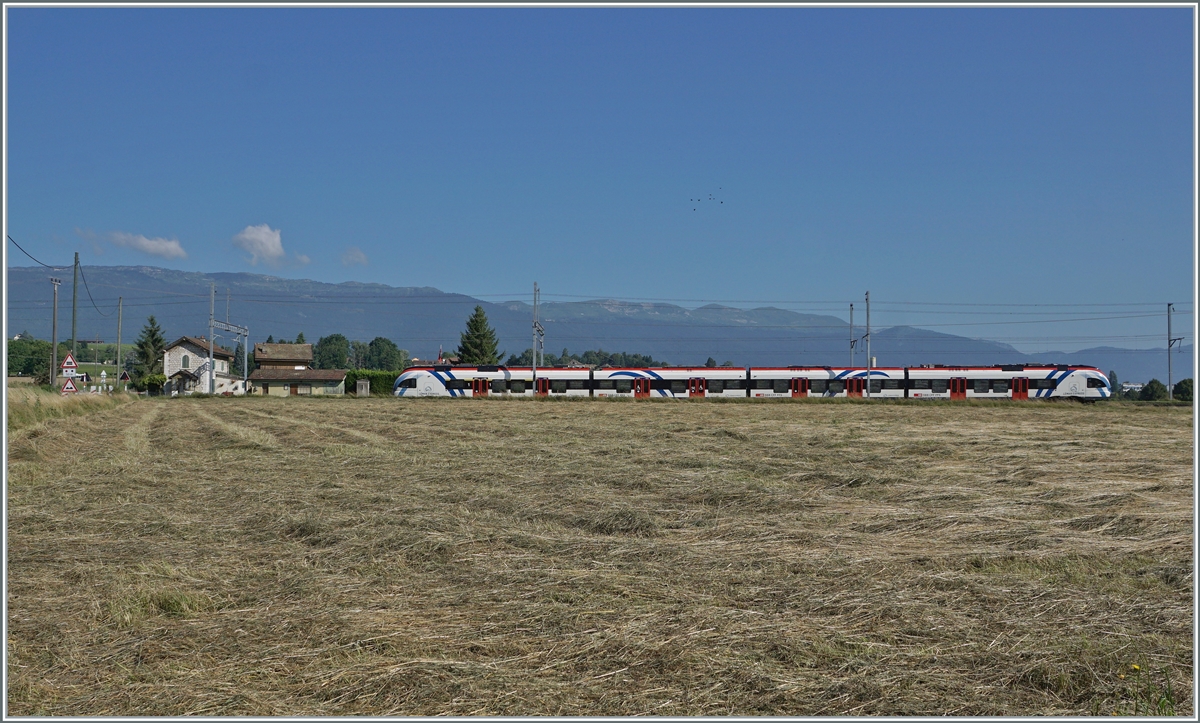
(154, 382)
(1182, 391)
(381, 381)
(1153, 391)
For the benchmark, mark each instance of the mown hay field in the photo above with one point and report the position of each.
(382, 556)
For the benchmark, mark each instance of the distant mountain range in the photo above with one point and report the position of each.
(420, 319)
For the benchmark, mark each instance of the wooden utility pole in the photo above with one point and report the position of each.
(54, 335)
(120, 362)
(74, 305)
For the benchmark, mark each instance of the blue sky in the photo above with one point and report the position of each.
(937, 157)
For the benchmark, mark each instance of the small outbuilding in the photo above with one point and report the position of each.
(283, 382)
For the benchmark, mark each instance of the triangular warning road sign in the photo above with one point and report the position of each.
(69, 362)
(69, 387)
(124, 376)
(85, 378)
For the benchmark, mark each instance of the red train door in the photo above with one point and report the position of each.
(641, 388)
(800, 387)
(854, 387)
(696, 387)
(542, 387)
(1020, 388)
(479, 387)
(958, 388)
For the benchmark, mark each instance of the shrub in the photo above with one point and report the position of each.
(154, 382)
(1153, 391)
(1183, 390)
(381, 381)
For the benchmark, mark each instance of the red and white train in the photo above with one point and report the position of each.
(1009, 381)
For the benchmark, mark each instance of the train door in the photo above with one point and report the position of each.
(641, 388)
(800, 387)
(958, 388)
(479, 387)
(1020, 388)
(696, 387)
(542, 388)
(854, 387)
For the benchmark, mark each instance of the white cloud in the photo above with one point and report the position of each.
(263, 243)
(302, 259)
(354, 255)
(166, 248)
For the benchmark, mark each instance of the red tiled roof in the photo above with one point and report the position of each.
(201, 342)
(273, 374)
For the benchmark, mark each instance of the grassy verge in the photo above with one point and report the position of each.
(435, 556)
(28, 405)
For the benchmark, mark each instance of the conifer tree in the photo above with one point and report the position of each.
(477, 345)
(149, 347)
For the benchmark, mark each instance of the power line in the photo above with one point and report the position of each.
(89, 293)
(53, 268)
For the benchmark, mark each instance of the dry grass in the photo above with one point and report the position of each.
(382, 556)
(28, 405)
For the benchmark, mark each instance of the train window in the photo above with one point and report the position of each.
(1043, 383)
(410, 383)
(760, 384)
(558, 386)
(604, 384)
(876, 386)
(981, 386)
(517, 386)
(577, 384)
(780, 386)
(624, 385)
(1000, 386)
(1094, 383)
(818, 386)
(893, 383)
(716, 385)
(938, 386)
(456, 383)
(678, 386)
(920, 383)
(498, 386)
(735, 384)
(837, 386)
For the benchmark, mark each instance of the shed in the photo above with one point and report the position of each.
(282, 381)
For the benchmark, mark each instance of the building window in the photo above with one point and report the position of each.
(187, 362)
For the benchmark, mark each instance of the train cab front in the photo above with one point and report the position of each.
(419, 383)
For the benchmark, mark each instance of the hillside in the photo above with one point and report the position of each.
(422, 319)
